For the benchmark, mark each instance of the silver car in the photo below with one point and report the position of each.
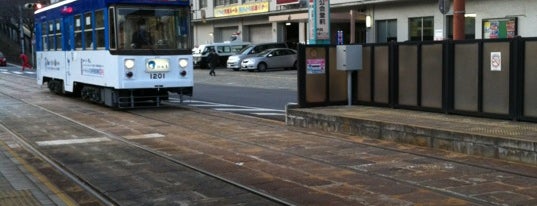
(234, 61)
(270, 59)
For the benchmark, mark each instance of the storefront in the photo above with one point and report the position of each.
(362, 21)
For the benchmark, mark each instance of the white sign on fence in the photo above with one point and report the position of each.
(495, 61)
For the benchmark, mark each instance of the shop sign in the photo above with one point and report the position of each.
(251, 8)
(284, 2)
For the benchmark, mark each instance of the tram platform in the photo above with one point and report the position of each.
(19, 185)
(492, 138)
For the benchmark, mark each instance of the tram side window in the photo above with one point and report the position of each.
(99, 29)
(78, 32)
(51, 36)
(88, 31)
(58, 35)
(44, 28)
(112, 24)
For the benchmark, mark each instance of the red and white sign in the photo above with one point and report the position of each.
(284, 2)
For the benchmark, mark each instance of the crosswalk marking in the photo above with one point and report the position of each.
(233, 108)
(268, 114)
(5, 71)
(245, 109)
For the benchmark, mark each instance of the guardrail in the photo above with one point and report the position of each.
(486, 78)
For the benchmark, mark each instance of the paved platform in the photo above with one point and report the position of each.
(501, 139)
(18, 186)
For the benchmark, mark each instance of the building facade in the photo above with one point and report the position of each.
(361, 21)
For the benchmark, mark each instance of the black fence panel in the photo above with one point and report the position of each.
(487, 78)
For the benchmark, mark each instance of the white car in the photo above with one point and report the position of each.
(270, 59)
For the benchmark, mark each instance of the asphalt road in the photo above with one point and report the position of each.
(262, 94)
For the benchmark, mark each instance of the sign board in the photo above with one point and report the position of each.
(444, 6)
(499, 28)
(250, 8)
(319, 22)
(495, 61)
(285, 2)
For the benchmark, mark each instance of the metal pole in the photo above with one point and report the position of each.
(21, 29)
(349, 87)
(458, 19)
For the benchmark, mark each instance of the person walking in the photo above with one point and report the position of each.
(24, 61)
(213, 60)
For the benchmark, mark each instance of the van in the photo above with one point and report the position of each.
(234, 61)
(223, 50)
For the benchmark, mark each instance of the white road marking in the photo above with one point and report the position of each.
(269, 114)
(245, 109)
(211, 105)
(71, 141)
(235, 108)
(145, 136)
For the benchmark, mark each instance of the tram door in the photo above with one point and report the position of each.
(69, 49)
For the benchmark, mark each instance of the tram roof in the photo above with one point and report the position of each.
(79, 6)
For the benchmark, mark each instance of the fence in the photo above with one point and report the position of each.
(487, 78)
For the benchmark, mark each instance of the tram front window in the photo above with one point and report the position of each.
(152, 28)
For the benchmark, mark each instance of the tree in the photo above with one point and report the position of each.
(11, 15)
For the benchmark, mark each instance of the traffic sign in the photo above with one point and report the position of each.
(444, 6)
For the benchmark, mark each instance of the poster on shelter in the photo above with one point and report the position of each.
(315, 66)
(499, 28)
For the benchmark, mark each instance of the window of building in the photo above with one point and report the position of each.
(99, 29)
(58, 35)
(386, 30)
(469, 27)
(203, 3)
(78, 32)
(224, 2)
(421, 28)
(88, 31)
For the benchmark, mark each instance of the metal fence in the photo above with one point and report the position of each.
(487, 78)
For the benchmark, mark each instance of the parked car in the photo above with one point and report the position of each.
(234, 61)
(223, 50)
(270, 59)
(3, 60)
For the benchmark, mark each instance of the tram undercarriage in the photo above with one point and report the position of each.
(120, 98)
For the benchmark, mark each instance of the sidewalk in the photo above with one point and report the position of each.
(500, 139)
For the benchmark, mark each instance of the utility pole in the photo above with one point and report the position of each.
(458, 19)
(21, 29)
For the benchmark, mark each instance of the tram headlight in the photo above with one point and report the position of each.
(183, 63)
(129, 63)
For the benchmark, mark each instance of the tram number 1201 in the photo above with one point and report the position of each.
(157, 76)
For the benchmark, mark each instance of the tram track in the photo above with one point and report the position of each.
(378, 145)
(105, 199)
(168, 116)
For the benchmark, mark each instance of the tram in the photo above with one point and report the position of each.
(120, 53)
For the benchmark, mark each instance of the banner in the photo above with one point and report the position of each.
(284, 2)
(251, 8)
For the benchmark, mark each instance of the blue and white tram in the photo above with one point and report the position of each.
(121, 53)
